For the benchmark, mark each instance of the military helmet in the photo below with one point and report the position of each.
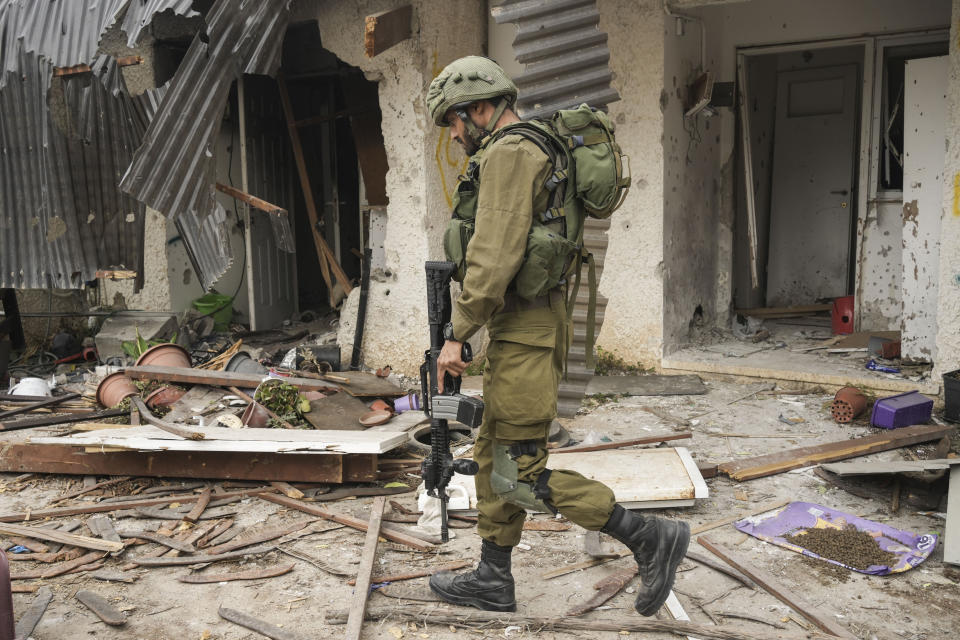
(467, 80)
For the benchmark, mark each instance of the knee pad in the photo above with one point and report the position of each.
(505, 483)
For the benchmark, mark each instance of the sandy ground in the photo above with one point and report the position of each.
(919, 604)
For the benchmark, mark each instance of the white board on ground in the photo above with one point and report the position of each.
(147, 438)
(640, 478)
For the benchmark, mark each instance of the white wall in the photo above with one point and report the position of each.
(948, 307)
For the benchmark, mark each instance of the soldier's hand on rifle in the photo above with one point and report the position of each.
(450, 362)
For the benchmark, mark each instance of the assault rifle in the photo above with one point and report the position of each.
(438, 468)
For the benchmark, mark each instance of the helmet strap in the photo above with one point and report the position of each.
(476, 133)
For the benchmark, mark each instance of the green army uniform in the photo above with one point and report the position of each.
(507, 184)
(528, 343)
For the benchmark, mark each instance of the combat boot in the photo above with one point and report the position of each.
(658, 545)
(488, 587)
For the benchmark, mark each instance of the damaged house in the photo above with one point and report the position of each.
(782, 157)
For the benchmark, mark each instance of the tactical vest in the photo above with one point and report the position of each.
(555, 235)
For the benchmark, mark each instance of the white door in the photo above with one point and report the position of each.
(812, 198)
(924, 131)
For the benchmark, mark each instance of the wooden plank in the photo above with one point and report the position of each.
(255, 624)
(365, 570)
(147, 438)
(774, 463)
(396, 577)
(28, 621)
(30, 423)
(871, 467)
(53, 535)
(166, 541)
(71, 71)
(746, 144)
(394, 536)
(951, 536)
(761, 312)
(198, 508)
(39, 404)
(218, 378)
(646, 385)
(250, 574)
(770, 506)
(385, 29)
(288, 490)
(128, 61)
(60, 569)
(147, 561)
(290, 467)
(770, 584)
(634, 624)
(102, 608)
(56, 512)
(253, 201)
(616, 444)
(256, 536)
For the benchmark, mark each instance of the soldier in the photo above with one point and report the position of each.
(505, 186)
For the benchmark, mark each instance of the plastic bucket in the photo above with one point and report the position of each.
(841, 315)
(217, 306)
(409, 402)
(242, 363)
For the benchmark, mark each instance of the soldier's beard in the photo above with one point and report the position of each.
(469, 145)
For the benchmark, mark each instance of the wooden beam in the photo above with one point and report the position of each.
(349, 521)
(71, 71)
(39, 405)
(624, 443)
(116, 274)
(53, 420)
(289, 467)
(385, 29)
(771, 586)
(365, 570)
(774, 463)
(328, 261)
(52, 535)
(484, 619)
(784, 312)
(253, 201)
(128, 61)
(218, 378)
(198, 508)
(262, 627)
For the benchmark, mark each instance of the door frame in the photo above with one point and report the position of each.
(862, 155)
(868, 152)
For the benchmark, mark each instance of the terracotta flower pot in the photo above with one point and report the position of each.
(114, 388)
(380, 405)
(164, 396)
(255, 416)
(165, 355)
(848, 403)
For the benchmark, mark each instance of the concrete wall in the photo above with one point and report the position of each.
(423, 164)
(632, 278)
(948, 307)
(693, 218)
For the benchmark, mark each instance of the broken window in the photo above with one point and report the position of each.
(891, 111)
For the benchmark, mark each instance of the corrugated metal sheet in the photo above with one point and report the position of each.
(141, 12)
(173, 171)
(64, 32)
(62, 150)
(566, 63)
(564, 52)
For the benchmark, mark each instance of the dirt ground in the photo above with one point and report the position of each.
(919, 604)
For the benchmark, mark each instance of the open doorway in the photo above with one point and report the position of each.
(804, 109)
(313, 145)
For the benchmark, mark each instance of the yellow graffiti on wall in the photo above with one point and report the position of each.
(956, 195)
(445, 160)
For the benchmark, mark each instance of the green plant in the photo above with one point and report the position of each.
(136, 348)
(283, 399)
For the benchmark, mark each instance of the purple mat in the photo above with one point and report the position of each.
(910, 548)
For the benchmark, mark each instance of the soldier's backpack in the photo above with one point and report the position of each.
(591, 177)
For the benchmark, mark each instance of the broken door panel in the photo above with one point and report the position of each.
(270, 177)
(925, 118)
(813, 176)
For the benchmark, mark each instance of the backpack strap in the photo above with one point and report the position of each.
(553, 149)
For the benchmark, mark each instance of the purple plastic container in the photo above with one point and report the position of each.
(902, 410)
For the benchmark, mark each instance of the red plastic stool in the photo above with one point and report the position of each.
(841, 315)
